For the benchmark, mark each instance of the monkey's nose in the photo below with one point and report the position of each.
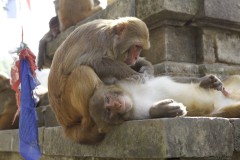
(117, 105)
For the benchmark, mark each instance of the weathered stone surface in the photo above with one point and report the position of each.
(195, 70)
(206, 47)
(221, 10)
(236, 126)
(189, 141)
(221, 70)
(9, 140)
(10, 156)
(46, 117)
(216, 45)
(158, 10)
(50, 119)
(155, 139)
(228, 48)
(159, 138)
(177, 69)
(172, 44)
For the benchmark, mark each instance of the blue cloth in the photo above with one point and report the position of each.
(28, 129)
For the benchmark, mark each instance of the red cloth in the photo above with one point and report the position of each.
(25, 53)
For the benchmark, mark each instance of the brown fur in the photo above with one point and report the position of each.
(70, 12)
(98, 45)
(8, 106)
(49, 36)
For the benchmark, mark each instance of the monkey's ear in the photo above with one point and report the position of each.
(119, 28)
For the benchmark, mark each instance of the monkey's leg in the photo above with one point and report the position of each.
(229, 112)
(79, 88)
(167, 108)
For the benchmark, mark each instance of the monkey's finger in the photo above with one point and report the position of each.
(217, 85)
(165, 101)
(174, 107)
(178, 112)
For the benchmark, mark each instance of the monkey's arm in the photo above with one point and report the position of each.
(110, 70)
(208, 81)
(167, 108)
(143, 66)
(42, 49)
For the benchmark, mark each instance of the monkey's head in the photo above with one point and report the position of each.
(108, 106)
(131, 35)
(4, 81)
(54, 26)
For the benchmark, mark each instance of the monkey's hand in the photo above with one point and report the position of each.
(146, 70)
(143, 66)
(167, 108)
(212, 82)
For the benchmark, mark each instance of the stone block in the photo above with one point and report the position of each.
(10, 156)
(206, 47)
(228, 48)
(46, 117)
(236, 125)
(221, 70)
(157, 138)
(221, 10)
(9, 140)
(172, 44)
(158, 10)
(177, 69)
(215, 45)
(50, 118)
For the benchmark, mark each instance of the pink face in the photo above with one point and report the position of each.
(116, 106)
(133, 54)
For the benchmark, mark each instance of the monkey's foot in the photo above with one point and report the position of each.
(167, 108)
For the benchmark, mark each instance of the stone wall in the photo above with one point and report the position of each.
(178, 138)
(188, 38)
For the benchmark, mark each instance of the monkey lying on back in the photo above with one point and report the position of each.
(160, 97)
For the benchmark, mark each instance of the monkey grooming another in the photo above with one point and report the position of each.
(112, 49)
(160, 97)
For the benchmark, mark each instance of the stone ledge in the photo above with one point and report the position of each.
(155, 139)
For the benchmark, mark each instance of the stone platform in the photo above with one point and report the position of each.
(178, 138)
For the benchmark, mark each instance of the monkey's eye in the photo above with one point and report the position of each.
(108, 112)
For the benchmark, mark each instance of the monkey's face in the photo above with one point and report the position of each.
(108, 106)
(116, 105)
(132, 36)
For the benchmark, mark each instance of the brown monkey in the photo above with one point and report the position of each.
(71, 12)
(109, 47)
(50, 35)
(127, 100)
(115, 45)
(8, 105)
